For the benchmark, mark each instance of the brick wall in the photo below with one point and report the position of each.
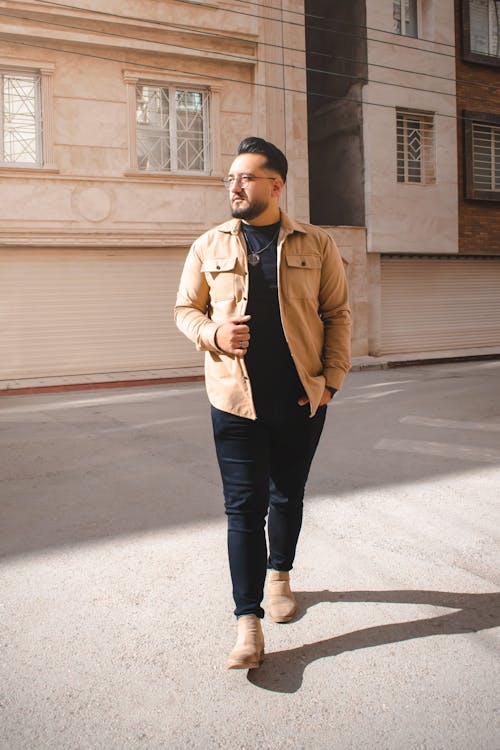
(478, 88)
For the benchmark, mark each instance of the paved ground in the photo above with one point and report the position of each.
(115, 611)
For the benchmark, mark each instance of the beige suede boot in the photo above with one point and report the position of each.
(248, 652)
(281, 603)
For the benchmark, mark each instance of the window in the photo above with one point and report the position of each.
(481, 27)
(415, 147)
(20, 119)
(482, 155)
(405, 15)
(172, 129)
(484, 17)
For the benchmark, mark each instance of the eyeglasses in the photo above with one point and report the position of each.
(243, 179)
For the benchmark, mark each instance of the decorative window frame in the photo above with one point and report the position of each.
(45, 71)
(467, 53)
(131, 80)
(469, 118)
(429, 160)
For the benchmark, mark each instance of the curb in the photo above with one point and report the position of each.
(64, 387)
(386, 364)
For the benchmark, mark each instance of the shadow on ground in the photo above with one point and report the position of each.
(283, 671)
(79, 468)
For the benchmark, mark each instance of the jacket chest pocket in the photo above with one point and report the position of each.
(221, 278)
(302, 276)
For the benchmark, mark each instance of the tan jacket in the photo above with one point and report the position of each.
(313, 301)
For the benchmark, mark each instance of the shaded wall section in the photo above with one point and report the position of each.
(336, 54)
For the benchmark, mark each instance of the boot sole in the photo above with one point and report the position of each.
(286, 618)
(246, 664)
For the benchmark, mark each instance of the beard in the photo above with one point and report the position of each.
(251, 211)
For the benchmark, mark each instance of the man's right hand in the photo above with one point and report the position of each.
(233, 336)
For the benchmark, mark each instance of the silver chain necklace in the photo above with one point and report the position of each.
(253, 256)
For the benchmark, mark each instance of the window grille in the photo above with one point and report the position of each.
(486, 156)
(415, 147)
(484, 27)
(172, 129)
(405, 17)
(20, 120)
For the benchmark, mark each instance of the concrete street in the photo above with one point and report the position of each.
(115, 606)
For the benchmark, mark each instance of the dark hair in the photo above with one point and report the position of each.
(275, 159)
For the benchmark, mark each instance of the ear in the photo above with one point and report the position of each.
(278, 186)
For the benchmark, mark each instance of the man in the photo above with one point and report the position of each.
(265, 297)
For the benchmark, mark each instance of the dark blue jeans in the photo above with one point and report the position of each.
(264, 466)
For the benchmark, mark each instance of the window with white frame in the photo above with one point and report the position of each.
(484, 23)
(172, 128)
(405, 17)
(416, 161)
(482, 155)
(486, 156)
(20, 119)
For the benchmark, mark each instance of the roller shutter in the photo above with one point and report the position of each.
(430, 304)
(72, 312)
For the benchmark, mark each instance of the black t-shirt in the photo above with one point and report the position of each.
(270, 366)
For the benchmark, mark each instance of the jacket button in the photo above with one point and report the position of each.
(218, 268)
(303, 263)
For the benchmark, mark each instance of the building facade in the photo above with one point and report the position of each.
(390, 88)
(117, 127)
(478, 110)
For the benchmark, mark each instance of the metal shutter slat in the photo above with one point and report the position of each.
(429, 304)
(74, 312)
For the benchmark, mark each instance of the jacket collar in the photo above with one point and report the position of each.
(288, 225)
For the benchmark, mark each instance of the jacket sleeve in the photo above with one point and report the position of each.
(335, 313)
(192, 304)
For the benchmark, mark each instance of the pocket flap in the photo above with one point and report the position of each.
(303, 261)
(217, 265)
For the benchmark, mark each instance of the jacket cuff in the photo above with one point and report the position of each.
(208, 337)
(334, 377)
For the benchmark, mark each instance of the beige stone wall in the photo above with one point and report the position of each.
(351, 242)
(89, 193)
(404, 218)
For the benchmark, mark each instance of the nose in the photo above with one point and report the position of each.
(235, 187)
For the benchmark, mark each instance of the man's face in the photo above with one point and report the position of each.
(251, 201)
